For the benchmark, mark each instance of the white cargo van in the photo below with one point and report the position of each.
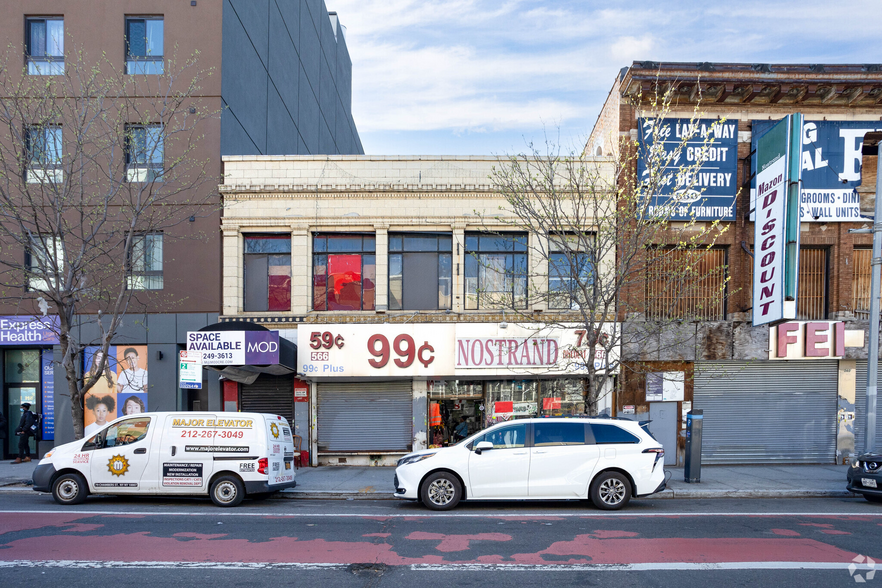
(227, 455)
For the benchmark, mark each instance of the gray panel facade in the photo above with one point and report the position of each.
(286, 80)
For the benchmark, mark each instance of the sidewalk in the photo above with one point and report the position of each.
(372, 483)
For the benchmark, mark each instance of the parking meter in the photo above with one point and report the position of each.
(694, 419)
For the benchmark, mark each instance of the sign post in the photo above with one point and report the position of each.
(191, 370)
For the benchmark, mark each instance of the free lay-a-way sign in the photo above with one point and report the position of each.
(831, 167)
(700, 183)
(235, 347)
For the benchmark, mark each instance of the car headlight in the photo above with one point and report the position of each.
(49, 454)
(415, 458)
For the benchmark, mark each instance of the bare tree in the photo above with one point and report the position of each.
(96, 166)
(604, 248)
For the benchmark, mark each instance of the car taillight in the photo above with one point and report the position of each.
(262, 464)
(658, 450)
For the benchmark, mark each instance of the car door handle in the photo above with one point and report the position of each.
(539, 451)
(174, 450)
(141, 450)
(520, 453)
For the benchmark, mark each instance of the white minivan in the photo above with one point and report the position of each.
(605, 460)
(227, 455)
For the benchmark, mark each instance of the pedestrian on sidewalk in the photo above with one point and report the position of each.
(25, 431)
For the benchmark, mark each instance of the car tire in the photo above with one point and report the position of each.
(70, 488)
(441, 491)
(227, 491)
(872, 498)
(610, 491)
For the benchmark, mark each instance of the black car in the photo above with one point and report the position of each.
(865, 476)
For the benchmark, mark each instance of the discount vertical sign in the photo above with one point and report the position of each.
(776, 224)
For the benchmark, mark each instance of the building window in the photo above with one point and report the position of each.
(570, 271)
(144, 153)
(495, 270)
(686, 284)
(267, 273)
(344, 272)
(44, 262)
(860, 281)
(45, 46)
(811, 300)
(145, 265)
(144, 43)
(43, 144)
(420, 271)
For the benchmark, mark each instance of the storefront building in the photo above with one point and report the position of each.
(371, 264)
(767, 397)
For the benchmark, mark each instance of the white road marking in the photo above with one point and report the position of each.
(423, 514)
(635, 567)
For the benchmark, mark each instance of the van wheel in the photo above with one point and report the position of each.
(441, 491)
(610, 491)
(227, 491)
(70, 489)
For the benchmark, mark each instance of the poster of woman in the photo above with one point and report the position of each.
(106, 383)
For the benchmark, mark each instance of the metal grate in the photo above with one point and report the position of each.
(860, 281)
(811, 301)
(686, 283)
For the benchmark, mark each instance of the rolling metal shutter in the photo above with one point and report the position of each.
(365, 417)
(860, 407)
(272, 394)
(767, 412)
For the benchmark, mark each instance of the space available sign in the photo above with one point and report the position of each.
(831, 167)
(707, 190)
(235, 347)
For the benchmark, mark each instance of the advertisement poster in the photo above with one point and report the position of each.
(701, 181)
(48, 392)
(831, 167)
(121, 389)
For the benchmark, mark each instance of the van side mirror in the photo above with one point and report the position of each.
(482, 446)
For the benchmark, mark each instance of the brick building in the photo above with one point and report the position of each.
(281, 84)
(787, 393)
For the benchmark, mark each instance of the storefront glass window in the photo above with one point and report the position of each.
(563, 397)
(22, 365)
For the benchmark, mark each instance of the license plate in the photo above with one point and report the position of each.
(868, 483)
(287, 465)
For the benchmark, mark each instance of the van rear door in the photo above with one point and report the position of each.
(280, 449)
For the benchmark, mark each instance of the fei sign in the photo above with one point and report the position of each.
(812, 340)
(235, 347)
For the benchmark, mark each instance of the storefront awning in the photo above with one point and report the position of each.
(247, 373)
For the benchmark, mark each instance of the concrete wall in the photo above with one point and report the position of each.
(286, 80)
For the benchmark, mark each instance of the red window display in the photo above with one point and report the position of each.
(344, 272)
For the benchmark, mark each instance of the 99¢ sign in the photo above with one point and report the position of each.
(372, 350)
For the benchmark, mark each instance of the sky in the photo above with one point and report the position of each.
(489, 77)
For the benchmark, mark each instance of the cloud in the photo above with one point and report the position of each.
(485, 66)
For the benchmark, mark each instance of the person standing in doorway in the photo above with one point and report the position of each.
(462, 429)
(25, 431)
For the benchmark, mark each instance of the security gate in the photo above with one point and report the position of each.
(767, 411)
(270, 394)
(365, 417)
(858, 417)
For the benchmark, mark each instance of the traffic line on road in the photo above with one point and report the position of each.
(475, 567)
(616, 514)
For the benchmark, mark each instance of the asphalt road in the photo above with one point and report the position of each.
(807, 542)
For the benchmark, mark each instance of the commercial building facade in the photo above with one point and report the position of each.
(384, 257)
(280, 83)
(786, 393)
